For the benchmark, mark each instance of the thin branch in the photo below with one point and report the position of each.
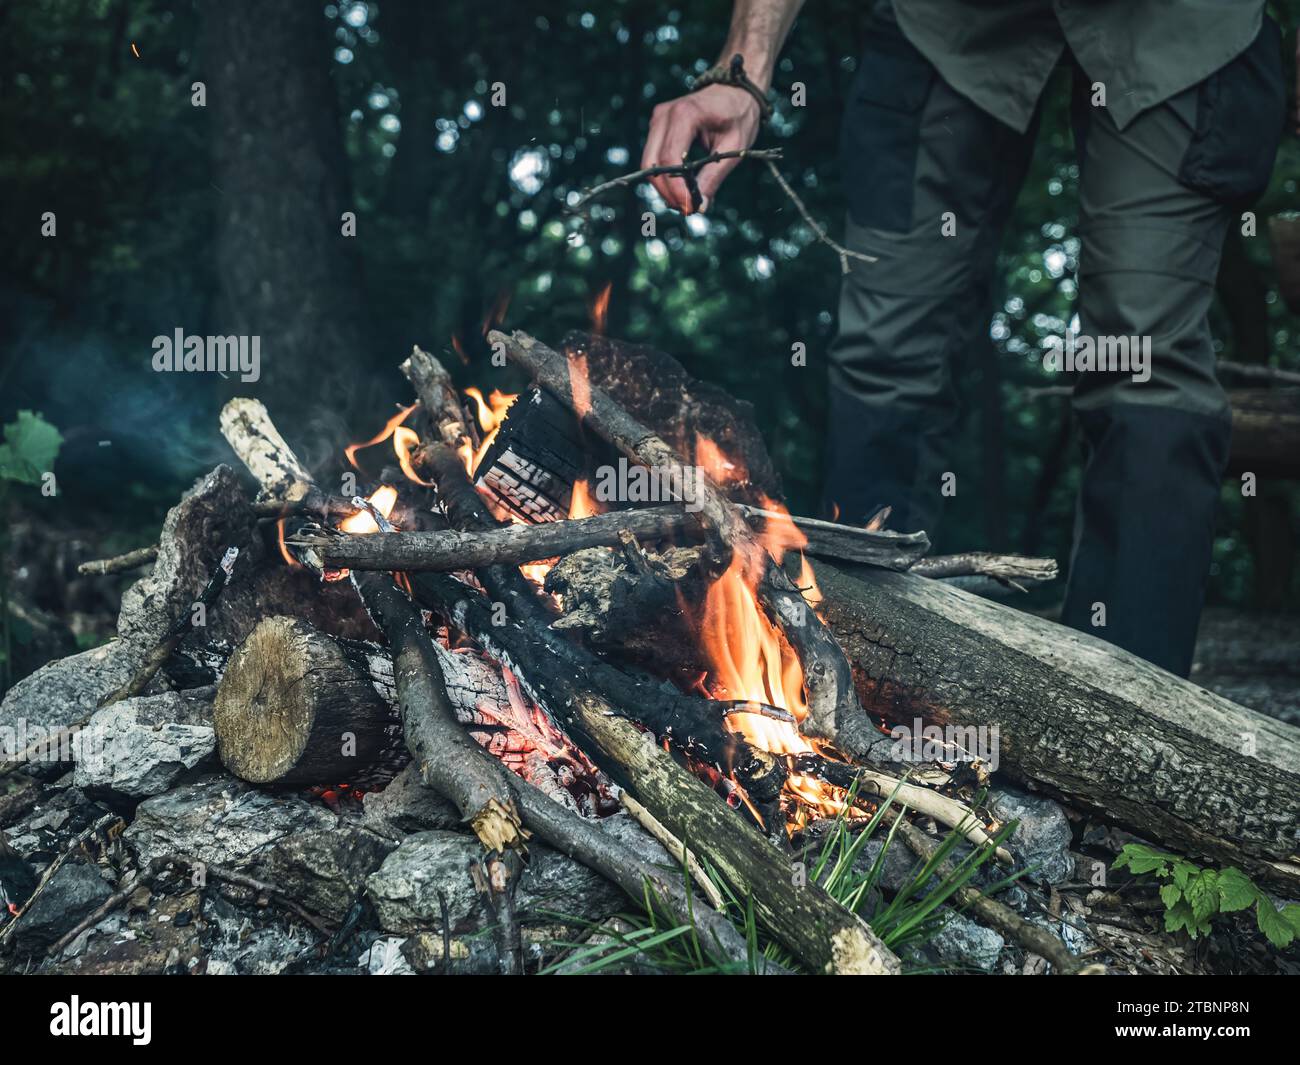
(844, 253)
(685, 169)
(141, 556)
(689, 168)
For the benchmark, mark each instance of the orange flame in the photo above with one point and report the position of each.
(383, 499)
(389, 427)
(284, 550)
(491, 412)
(721, 468)
(581, 502)
(749, 658)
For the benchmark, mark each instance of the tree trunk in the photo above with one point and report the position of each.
(285, 271)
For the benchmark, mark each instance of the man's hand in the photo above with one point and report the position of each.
(721, 117)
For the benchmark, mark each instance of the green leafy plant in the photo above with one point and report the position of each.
(914, 915)
(1192, 895)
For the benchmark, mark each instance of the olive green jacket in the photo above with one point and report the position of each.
(1000, 53)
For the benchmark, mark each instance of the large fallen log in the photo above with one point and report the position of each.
(1077, 717)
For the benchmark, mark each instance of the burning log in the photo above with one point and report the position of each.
(832, 703)
(1077, 718)
(298, 707)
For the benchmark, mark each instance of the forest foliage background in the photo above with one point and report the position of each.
(226, 219)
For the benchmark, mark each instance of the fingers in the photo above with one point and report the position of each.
(673, 128)
(683, 128)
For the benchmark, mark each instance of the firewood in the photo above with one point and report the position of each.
(425, 725)
(451, 763)
(295, 707)
(141, 556)
(1009, 568)
(818, 930)
(1077, 718)
(515, 544)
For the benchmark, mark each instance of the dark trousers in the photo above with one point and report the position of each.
(931, 180)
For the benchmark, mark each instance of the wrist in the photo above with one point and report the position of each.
(760, 61)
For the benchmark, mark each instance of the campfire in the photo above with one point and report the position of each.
(585, 605)
(569, 627)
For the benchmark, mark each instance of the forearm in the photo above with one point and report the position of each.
(758, 30)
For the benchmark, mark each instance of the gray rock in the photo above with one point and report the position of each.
(405, 805)
(963, 942)
(405, 888)
(220, 821)
(140, 747)
(899, 866)
(326, 869)
(71, 894)
(1042, 837)
(62, 692)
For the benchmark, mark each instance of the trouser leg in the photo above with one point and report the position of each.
(1156, 448)
(930, 181)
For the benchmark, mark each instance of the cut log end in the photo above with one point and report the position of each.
(293, 709)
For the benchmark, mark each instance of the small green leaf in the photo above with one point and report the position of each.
(1170, 894)
(1236, 892)
(1291, 915)
(30, 448)
(1142, 859)
(1184, 871)
(1178, 916)
(1203, 894)
(1275, 927)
